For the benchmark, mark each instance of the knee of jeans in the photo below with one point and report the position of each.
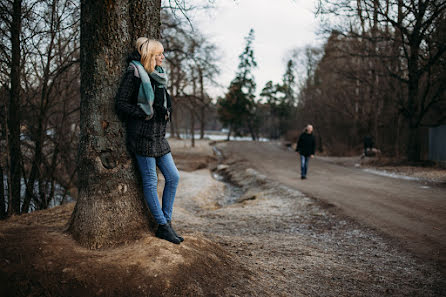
(150, 180)
(173, 178)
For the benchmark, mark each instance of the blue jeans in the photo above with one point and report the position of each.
(304, 165)
(147, 167)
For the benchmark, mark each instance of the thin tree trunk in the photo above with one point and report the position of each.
(413, 145)
(52, 171)
(251, 130)
(203, 103)
(192, 113)
(35, 170)
(14, 110)
(42, 193)
(2, 196)
(413, 153)
(192, 127)
(110, 208)
(8, 177)
(397, 137)
(202, 121)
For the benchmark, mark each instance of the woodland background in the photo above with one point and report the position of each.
(381, 72)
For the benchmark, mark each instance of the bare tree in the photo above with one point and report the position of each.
(52, 54)
(192, 67)
(409, 41)
(11, 14)
(48, 51)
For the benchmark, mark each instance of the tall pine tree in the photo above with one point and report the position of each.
(287, 102)
(237, 110)
(269, 93)
(281, 99)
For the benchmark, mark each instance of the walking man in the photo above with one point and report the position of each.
(306, 146)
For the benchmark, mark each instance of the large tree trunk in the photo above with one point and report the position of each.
(14, 110)
(110, 209)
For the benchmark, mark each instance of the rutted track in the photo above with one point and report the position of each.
(293, 245)
(406, 210)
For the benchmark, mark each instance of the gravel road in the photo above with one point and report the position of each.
(412, 212)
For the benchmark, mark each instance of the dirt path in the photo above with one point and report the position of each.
(410, 211)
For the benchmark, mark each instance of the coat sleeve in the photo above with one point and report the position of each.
(299, 143)
(123, 100)
(313, 145)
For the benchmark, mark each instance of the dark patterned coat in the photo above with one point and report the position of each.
(144, 137)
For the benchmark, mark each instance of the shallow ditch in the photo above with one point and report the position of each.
(232, 192)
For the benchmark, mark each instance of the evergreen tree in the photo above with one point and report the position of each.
(269, 94)
(281, 99)
(288, 85)
(237, 110)
(287, 101)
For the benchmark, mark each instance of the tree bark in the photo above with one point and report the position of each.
(110, 209)
(14, 110)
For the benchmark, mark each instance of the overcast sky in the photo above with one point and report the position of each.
(279, 25)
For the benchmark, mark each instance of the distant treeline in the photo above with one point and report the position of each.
(380, 73)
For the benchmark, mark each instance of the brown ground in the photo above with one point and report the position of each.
(252, 235)
(38, 259)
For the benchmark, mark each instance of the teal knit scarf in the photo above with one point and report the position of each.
(146, 95)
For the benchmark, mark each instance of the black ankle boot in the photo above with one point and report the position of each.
(179, 237)
(165, 232)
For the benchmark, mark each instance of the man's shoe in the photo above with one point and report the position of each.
(173, 230)
(165, 232)
(303, 177)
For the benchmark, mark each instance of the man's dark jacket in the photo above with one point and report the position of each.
(144, 137)
(306, 145)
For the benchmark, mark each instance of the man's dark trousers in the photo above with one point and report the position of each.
(304, 165)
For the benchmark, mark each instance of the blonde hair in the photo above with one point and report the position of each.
(148, 49)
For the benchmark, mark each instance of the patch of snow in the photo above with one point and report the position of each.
(216, 137)
(217, 152)
(222, 167)
(217, 176)
(390, 174)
